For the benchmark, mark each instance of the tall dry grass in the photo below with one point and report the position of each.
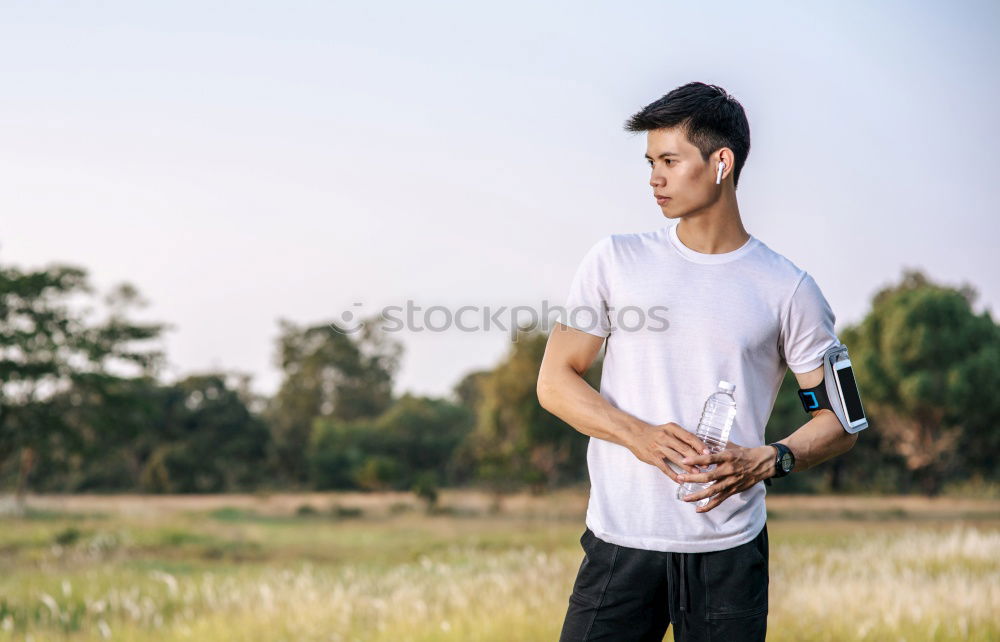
(467, 579)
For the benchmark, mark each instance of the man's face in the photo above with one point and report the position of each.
(678, 172)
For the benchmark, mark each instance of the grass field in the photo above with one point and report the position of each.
(377, 567)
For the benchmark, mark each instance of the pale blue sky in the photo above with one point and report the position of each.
(241, 162)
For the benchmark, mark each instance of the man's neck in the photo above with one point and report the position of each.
(711, 232)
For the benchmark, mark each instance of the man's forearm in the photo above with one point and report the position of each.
(568, 396)
(819, 439)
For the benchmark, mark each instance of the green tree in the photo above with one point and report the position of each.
(927, 366)
(112, 421)
(468, 391)
(48, 345)
(515, 440)
(414, 436)
(425, 486)
(206, 440)
(327, 375)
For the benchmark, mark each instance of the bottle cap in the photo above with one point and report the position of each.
(725, 385)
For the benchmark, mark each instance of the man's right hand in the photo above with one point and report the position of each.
(655, 445)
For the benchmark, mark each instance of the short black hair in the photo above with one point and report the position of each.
(708, 116)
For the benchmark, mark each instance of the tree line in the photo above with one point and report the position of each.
(84, 407)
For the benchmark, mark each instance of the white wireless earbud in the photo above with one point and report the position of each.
(718, 175)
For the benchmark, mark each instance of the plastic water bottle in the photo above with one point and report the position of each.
(713, 429)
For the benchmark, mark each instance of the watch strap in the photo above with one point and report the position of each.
(767, 480)
(781, 451)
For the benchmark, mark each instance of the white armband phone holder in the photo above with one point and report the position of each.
(838, 391)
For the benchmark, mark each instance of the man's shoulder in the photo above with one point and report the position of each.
(619, 242)
(777, 264)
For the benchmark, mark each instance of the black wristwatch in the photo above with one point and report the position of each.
(784, 461)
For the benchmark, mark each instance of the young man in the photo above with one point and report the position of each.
(718, 304)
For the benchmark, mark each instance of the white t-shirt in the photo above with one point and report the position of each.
(677, 321)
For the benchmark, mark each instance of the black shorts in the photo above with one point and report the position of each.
(623, 593)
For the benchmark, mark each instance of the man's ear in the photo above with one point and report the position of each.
(726, 155)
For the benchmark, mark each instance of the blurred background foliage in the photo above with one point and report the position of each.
(83, 406)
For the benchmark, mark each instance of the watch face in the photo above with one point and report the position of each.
(786, 462)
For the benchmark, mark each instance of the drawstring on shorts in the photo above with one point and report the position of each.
(683, 597)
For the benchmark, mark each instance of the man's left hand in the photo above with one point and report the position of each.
(736, 469)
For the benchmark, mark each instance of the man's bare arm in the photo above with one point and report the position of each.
(819, 439)
(562, 391)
